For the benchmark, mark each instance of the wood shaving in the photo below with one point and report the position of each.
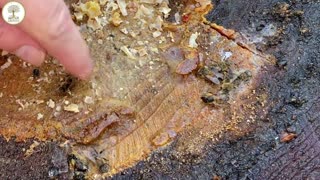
(100, 41)
(58, 108)
(192, 40)
(39, 102)
(140, 43)
(51, 73)
(148, 1)
(156, 34)
(51, 104)
(127, 52)
(154, 49)
(142, 52)
(103, 2)
(30, 151)
(39, 116)
(6, 65)
(94, 24)
(78, 16)
(56, 114)
(18, 101)
(133, 34)
(287, 137)
(24, 65)
(177, 18)
(158, 24)
(123, 7)
(72, 108)
(116, 19)
(147, 11)
(124, 30)
(111, 6)
(165, 11)
(91, 9)
(88, 100)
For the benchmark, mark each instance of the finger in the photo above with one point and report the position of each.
(18, 42)
(49, 22)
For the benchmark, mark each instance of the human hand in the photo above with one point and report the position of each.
(47, 27)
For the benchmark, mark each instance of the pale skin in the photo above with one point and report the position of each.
(47, 29)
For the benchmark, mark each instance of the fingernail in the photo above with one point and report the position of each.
(31, 54)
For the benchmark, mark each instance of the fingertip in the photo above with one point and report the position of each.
(86, 71)
(79, 66)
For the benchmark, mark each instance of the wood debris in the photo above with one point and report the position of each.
(40, 116)
(88, 100)
(31, 149)
(72, 108)
(51, 104)
(6, 65)
(192, 41)
(287, 137)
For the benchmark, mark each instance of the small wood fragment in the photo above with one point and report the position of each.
(287, 137)
(72, 108)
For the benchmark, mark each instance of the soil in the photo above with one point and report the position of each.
(291, 32)
(46, 160)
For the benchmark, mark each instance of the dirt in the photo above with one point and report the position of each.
(293, 92)
(46, 159)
